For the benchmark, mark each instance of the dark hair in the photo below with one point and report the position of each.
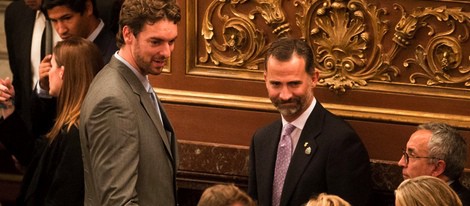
(282, 49)
(136, 13)
(75, 5)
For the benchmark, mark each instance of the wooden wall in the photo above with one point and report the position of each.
(385, 67)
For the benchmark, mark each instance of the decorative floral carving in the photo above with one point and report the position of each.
(348, 54)
(348, 38)
(243, 44)
(441, 59)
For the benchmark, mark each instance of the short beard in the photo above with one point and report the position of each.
(288, 111)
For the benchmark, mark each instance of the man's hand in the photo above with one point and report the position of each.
(44, 68)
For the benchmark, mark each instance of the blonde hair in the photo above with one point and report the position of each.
(224, 195)
(327, 200)
(426, 191)
(81, 60)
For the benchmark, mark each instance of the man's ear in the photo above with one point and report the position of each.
(440, 168)
(315, 76)
(89, 8)
(127, 34)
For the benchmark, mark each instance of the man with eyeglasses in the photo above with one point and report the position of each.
(438, 150)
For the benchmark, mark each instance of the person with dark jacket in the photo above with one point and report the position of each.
(54, 167)
(436, 149)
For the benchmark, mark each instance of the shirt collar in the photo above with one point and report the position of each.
(95, 32)
(39, 14)
(143, 79)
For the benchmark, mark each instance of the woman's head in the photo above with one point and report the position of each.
(327, 200)
(425, 191)
(226, 195)
(75, 61)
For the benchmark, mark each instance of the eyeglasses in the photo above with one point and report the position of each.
(408, 156)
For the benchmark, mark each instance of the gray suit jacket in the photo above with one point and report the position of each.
(129, 158)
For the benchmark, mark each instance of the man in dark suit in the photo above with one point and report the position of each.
(438, 150)
(128, 144)
(20, 18)
(69, 18)
(322, 153)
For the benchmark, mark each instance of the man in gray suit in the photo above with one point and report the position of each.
(128, 144)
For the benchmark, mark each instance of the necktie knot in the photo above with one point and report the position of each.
(288, 129)
(153, 97)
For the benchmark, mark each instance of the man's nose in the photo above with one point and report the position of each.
(166, 50)
(61, 28)
(285, 93)
(401, 162)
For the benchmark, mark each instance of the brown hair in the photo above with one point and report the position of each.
(81, 60)
(136, 13)
(284, 48)
(224, 195)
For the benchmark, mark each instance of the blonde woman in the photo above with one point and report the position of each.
(425, 191)
(327, 200)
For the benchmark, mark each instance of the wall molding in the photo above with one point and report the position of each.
(249, 103)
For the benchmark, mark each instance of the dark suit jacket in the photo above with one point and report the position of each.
(129, 155)
(462, 191)
(54, 174)
(19, 25)
(338, 163)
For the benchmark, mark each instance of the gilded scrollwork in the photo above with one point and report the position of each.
(242, 42)
(273, 15)
(348, 53)
(348, 37)
(441, 60)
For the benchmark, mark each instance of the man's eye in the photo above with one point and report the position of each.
(155, 42)
(294, 84)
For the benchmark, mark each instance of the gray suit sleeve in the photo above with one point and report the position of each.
(114, 154)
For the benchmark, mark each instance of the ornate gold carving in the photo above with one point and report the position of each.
(441, 59)
(348, 53)
(242, 42)
(348, 37)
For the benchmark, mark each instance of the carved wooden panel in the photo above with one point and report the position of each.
(355, 41)
(407, 49)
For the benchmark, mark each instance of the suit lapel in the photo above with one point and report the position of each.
(301, 158)
(169, 132)
(267, 161)
(145, 101)
(26, 44)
